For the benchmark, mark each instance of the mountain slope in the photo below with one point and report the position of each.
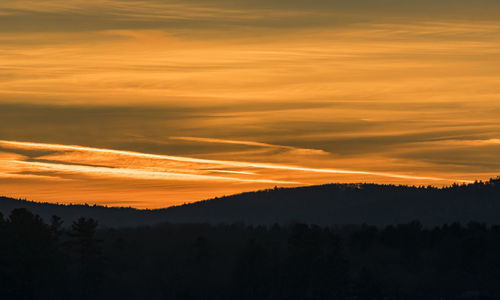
(107, 216)
(351, 204)
(331, 204)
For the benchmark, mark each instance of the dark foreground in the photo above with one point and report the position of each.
(45, 261)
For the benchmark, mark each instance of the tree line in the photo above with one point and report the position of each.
(45, 260)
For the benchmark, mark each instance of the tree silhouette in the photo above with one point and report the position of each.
(411, 260)
(88, 252)
(56, 226)
(29, 256)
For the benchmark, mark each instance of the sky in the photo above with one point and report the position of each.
(157, 103)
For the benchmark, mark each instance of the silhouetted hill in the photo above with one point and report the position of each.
(332, 204)
(107, 216)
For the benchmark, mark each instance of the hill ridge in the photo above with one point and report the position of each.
(327, 204)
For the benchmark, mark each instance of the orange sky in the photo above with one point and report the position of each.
(165, 102)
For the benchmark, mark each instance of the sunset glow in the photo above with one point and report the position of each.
(156, 103)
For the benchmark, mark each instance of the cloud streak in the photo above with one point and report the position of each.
(239, 164)
(249, 143)
(7, 175)
(134, 173)
(476, 142)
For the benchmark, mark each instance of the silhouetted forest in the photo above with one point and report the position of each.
(45, 260)
(326, 205)
(261, 245)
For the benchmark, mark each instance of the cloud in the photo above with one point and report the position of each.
(302, 151)
(475, 142)
(223, 163)
(115, 14)
(340, 91)
(30, 176)
(231, 172)
(26, 15)
(134, 173)
(119, 9)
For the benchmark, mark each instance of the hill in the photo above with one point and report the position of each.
(331, 204)
(107, 216)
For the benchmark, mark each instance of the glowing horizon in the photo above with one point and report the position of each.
(153, 103)
(73, 163)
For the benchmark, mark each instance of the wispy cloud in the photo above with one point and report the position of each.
(134, 173)
(297, 150)
(132, 9)
(223, 163)
(232, 172)
(6, 175)
(469, 142)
